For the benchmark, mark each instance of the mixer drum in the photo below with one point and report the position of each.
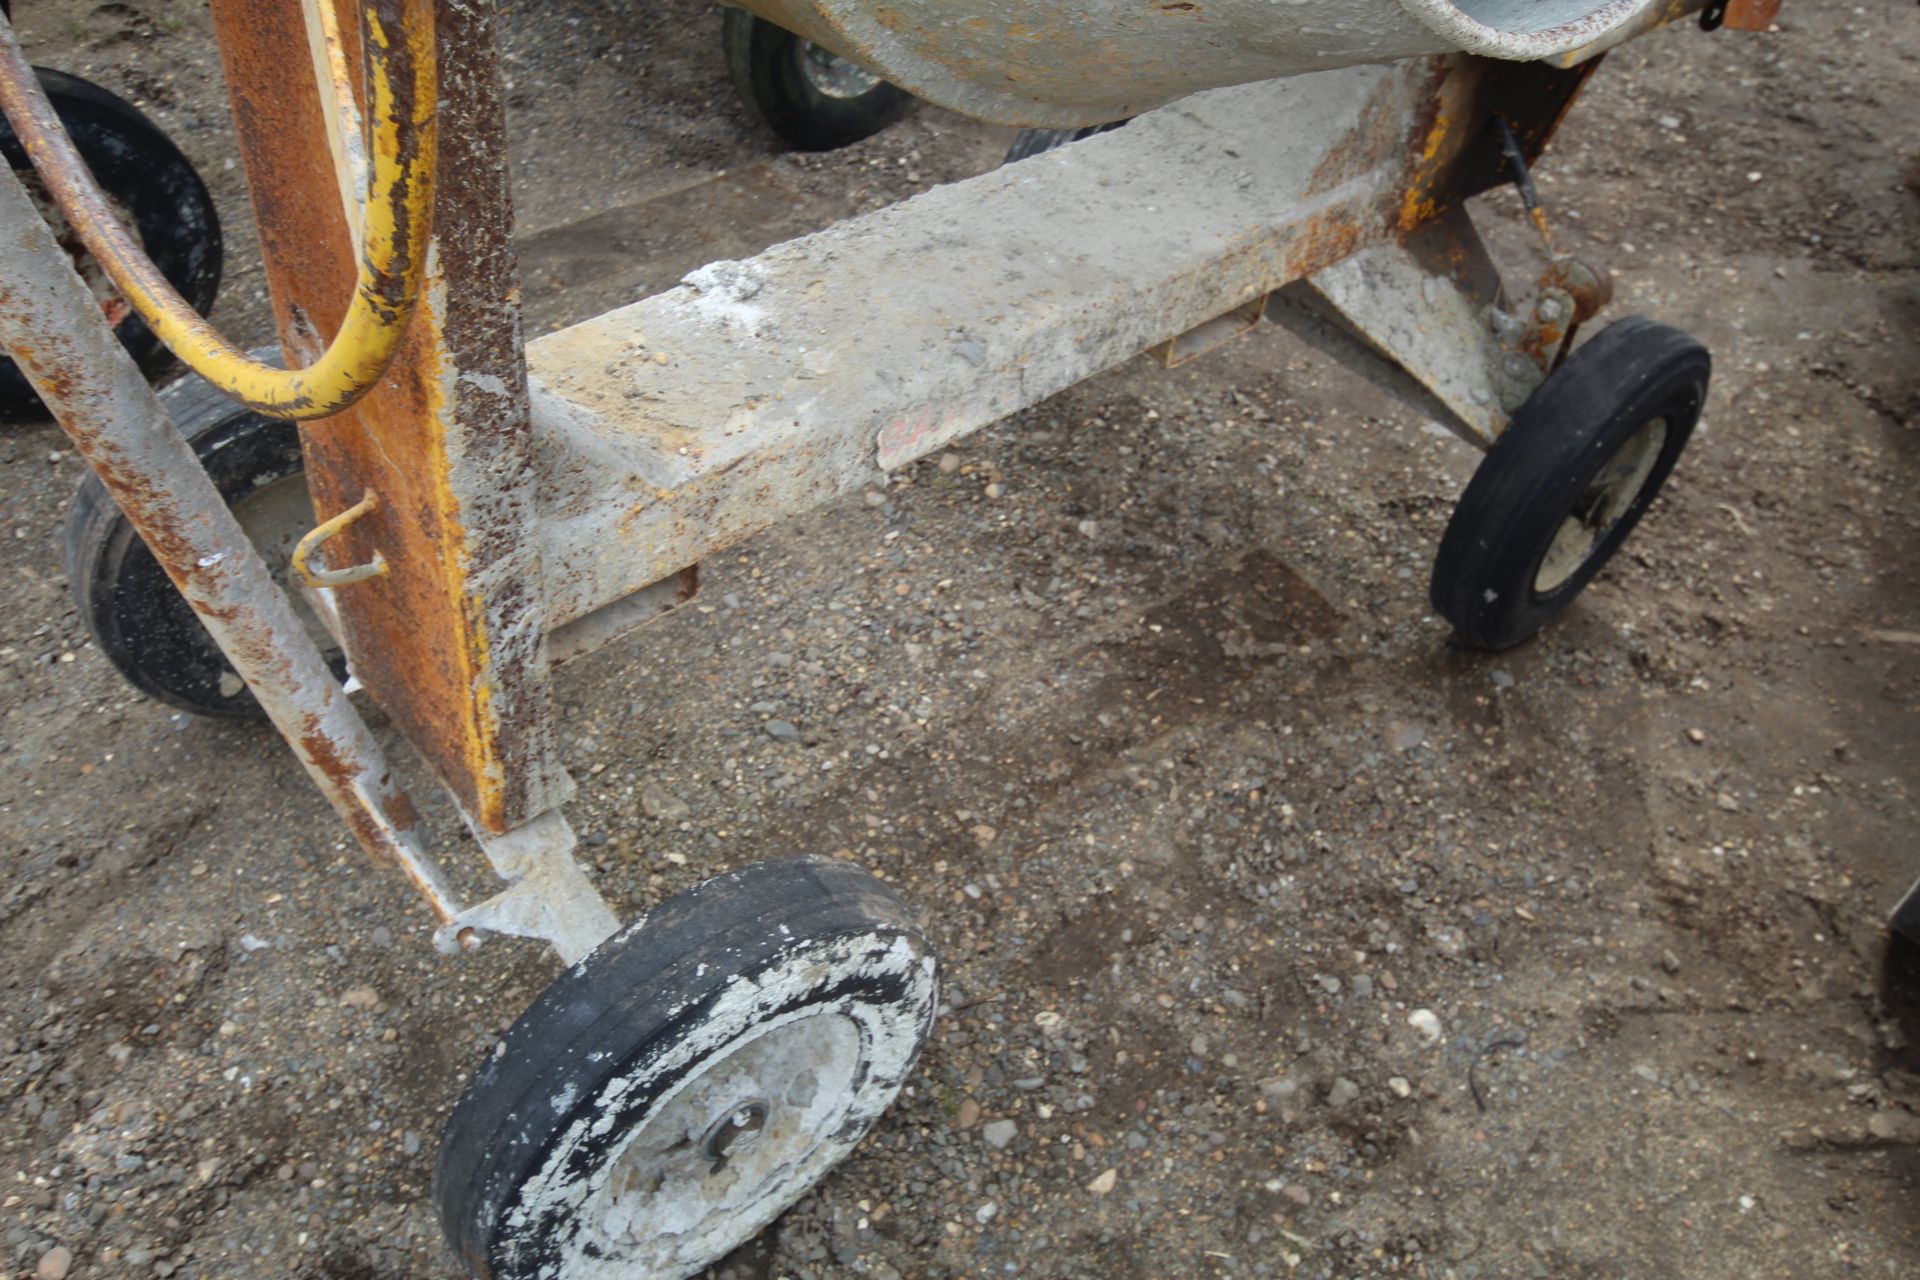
(1080, 62)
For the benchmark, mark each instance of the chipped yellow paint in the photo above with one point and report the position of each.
(479, 728)
(1418, 204)
(396, 219)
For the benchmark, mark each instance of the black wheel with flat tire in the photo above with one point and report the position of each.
(1568, 480)
(810, 96)
(678, 1089)
(143, 626)
(157, 193)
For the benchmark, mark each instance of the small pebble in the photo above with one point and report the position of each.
(1000, 1133)
(1103, 1184)
(662, 805)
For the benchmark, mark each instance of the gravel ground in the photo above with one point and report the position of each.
(1282, 937)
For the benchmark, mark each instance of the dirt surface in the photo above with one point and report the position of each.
(1282, 936)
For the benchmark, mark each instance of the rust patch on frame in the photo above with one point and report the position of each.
(1451, 158)
(451, 641)
(60, 340)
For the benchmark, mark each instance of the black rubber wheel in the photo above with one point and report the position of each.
(681, 1087)
(145, 175)
(813, 98)
(1032, 142)
(1568, 480)
(141, 623)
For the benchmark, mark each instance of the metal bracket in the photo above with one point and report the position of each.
(1413, 319)
(547, 895)
(1568, 294)
(315, 538)
(1428, 321)
(1566, 297)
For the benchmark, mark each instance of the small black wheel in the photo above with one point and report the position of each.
(1567, 481)
(141, 623)
(156, 192)
(681, 1087)
(1032, 142)
(814, 98)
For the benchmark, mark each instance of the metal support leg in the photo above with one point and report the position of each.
(52, 325)
(547, 895)
(451, 640)
(1414, 318)
(1427, 319)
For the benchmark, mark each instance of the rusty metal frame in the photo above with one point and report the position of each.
(54, 329)
(452, 640)
(493, 510)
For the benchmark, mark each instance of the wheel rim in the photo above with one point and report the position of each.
(832, 75)
(275, 517)
(753, 1126)
(1608, 496)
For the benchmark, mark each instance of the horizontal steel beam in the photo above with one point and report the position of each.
(671, 428)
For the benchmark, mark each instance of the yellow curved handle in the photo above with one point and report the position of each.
(395, 224)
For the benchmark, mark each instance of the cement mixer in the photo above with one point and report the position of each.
(489, 507)
(1081, 62)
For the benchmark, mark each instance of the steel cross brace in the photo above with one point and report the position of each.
(673, 427)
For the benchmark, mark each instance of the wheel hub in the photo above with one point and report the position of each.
(1607, 497)
(833, 75)
(734, 1131)
(751, 1122)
